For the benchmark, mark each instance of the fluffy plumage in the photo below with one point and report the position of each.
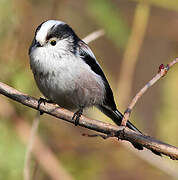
(67, 72)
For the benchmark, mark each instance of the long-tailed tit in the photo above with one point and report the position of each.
(68, 74)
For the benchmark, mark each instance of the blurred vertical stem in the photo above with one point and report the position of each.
(130, 57)
(28, 154)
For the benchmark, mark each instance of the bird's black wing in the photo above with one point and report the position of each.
(87, 55)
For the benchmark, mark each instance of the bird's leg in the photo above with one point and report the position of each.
(77, 116)
(42, 100)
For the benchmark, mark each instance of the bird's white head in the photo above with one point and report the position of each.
(53, 36)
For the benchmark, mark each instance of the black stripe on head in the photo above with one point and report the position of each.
(63, 31)
(60, 31)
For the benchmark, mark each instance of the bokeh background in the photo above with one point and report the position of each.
(139, 36)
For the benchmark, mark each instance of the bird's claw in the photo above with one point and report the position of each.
(42, 100)
(77, 116)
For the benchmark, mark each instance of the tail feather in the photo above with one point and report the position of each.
(116, 116)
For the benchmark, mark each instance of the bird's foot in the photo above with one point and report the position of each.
(77, 116)
(42, 100)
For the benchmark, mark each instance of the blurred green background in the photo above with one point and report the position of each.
(139, 36)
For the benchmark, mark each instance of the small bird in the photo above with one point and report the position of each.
(68, 74)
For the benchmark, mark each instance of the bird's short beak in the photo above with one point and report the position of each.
(34, 45)
(37, 44)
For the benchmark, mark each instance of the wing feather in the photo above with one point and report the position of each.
(87, 55)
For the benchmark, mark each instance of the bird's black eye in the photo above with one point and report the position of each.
(53, 42)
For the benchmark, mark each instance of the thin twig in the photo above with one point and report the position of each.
(162, 72)
(150, 158)
(28, 154)
(99, 126)
(93, 36)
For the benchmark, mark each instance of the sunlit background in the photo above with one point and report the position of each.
(139, 36)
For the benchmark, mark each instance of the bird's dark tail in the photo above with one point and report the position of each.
(116, 116)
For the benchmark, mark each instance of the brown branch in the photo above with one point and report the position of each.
(162, 72)
(119, 131)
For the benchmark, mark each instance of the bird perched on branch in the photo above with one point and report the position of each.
(68, 74)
